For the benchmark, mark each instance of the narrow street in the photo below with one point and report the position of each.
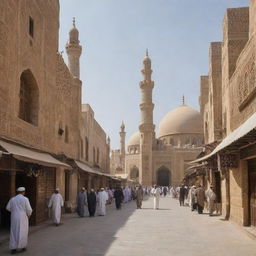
(172, 230)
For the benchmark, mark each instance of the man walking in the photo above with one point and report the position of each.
(21, 210)
(92, 200)
(182, 195)
(200, 199)
(192, 198)
(56, 202)
(102, 200)
(119, 197)
(156, 191)
(211, 197)
(139, 196)
(81, 202)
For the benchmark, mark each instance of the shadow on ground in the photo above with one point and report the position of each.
(77, 236)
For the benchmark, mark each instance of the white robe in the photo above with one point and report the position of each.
(102, 200)
(20, 209)
(156, 193)
(56, 202)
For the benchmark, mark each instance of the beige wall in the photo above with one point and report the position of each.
(58, 95)
(97, 140)
(215, 106)
(59, 106)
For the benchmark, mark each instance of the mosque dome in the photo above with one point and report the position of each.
(181, 120)
(134, 139)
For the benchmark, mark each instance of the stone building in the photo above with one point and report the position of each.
(149, 159)
(48, 138)
(229, 159)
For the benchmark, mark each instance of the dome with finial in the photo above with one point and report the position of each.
(147, 60)
(181, 120)
(74, 34)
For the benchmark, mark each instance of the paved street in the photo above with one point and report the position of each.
(172, 230)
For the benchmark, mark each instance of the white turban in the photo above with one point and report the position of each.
(21, 189)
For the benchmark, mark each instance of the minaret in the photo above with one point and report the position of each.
(74, 50)
(146, 126)
(108, 155)
(122, 140)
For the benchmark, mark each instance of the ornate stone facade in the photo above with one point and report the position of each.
(162, 160)
(41, 106)
(232, 169)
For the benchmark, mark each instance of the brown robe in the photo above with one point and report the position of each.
(200, 196)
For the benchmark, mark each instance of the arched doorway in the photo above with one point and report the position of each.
(163, 176)
(134, 173)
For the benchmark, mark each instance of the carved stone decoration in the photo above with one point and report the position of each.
(228, 161)
(247, 90)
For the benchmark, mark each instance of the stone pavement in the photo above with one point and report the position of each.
(172, 230)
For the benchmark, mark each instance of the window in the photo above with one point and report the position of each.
(29, 98)
(86, 149)
(31, 27)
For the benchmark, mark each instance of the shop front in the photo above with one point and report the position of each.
(32, 169)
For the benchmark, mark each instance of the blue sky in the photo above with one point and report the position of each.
(115, 34)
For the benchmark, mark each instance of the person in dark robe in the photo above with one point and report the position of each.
(119, 197)
(81, 202)
(165, 191)
(92, 200)
(139, 197)
(183, 192)
(200, 199)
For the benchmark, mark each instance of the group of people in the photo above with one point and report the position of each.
(197, 198)
(88, 204)
(91, 203)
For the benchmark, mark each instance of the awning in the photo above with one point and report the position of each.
(233, 137)
(30, 155)
(122, 176)
(86, 168)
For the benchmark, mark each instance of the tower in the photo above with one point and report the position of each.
(74, 50)
(146, 126)
(122, 139)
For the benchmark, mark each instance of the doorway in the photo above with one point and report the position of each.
(22, 180)
(252, 191)
(163, 176)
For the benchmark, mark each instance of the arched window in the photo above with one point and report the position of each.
(86, 149)
(134, 173)
(29, 98)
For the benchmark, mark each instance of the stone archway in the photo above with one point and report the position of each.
(134, 173)
(163, 176)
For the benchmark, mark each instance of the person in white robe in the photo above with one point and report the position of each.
(102, 200)
(211, 197)
(55, 203)
(21, 210)
(156, 192)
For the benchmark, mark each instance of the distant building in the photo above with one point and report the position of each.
(163, 159)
